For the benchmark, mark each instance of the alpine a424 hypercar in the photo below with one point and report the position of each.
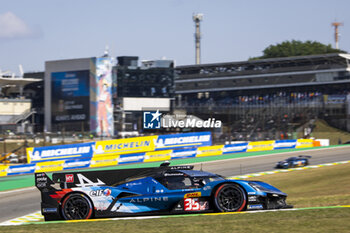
(149, 191)
(300, 161)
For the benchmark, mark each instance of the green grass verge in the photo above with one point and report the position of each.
(326, 186)
(323, 220)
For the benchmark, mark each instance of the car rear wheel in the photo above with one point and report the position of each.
(229, 198)
(76, 206)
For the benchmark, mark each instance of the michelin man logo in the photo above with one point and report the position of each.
(152, 120)
(36, 155)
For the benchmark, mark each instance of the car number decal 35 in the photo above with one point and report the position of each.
(194, 204)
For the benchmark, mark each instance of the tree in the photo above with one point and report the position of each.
(297, 48)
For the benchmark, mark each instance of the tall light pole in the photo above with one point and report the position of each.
(336, 33)
(197, 18)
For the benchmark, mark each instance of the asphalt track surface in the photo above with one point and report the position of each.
(20, 202)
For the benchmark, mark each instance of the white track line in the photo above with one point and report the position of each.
(33, 217)
(17, 190)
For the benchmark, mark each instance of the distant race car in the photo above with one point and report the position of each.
(149, 191)
(300, 161)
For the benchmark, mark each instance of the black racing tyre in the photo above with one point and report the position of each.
(76, 206)
(229, 198)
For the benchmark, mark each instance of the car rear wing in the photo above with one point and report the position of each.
(100, 178)
(43, 181)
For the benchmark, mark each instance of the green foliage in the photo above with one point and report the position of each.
(296, 48)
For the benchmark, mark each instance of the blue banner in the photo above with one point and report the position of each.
(62, 152)
(184, 153)
(131, 158)
(183, 140)
(76, 163)
(235, 148)
(285, 144)
(21, 169)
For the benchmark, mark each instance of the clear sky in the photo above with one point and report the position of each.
(35, 31)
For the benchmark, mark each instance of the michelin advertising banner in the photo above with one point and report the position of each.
(173, 141)
(116, 147)
(285, 144)
(304, 143)
(61, 152)
(83, 155)
(235, 148)
(152, 143)
(125, 146)
(184, 153)
(260, 146)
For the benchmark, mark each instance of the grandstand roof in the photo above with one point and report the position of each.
(6, 81)
(265, 73)
(330, 57)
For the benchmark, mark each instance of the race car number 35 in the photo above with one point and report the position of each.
(191, 204)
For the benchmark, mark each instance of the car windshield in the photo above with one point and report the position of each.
(200, 181)
(291, 159)
(187, 182)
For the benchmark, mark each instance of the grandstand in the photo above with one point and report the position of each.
(268, 98)
(16, 109)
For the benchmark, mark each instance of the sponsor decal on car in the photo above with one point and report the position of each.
(255, 207)
(194, 204)
(69, 178)
(107, 192)
(49, 210)
(196, 194)
(133, 183)
(96, 193)
(100, 192)
(148, 199)
(252, 198)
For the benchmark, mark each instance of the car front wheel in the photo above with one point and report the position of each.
(229, 198)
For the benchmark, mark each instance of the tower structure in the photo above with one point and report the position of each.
(336, 33)
(197, 18)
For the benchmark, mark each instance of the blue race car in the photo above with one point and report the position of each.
(300, 161)
(149, 191)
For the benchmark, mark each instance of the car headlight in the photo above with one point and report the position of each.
(258, 187)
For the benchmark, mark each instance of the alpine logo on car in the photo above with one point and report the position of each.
(85, 182)
(149, 199)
